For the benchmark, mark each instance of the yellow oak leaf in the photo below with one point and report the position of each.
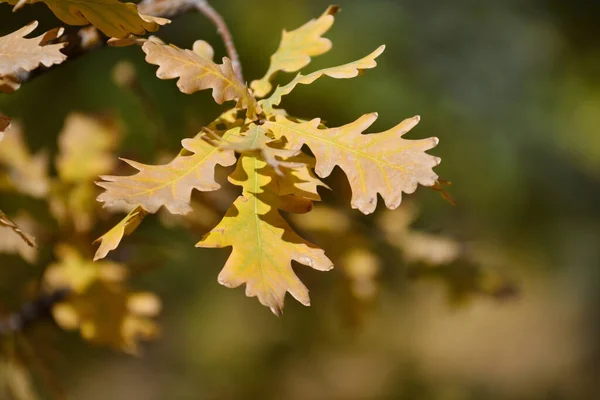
(100, 305)
(383, 163)
(168, 185)
(257, 139)
(85, 149)
(264, 245)
(111, 239)
(19, 54)
(196, 72)
(296, 48)
(300, 180)
(112, 17)
(25, 173)
(349, 70)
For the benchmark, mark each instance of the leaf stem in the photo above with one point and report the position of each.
(209, 12)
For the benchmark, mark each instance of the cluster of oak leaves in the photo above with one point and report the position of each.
(262, 140)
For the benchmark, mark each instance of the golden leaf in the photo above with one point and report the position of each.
(25, 173)
(195, 72)
(301, 180)
(111, 239)
(112, 17)
(346, 71)
(19, 55)
(100, 306)
(168, 185)
(256, 139)
(382, 163)
(264, 244)
(296, 48)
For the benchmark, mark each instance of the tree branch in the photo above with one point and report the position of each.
(216, 18)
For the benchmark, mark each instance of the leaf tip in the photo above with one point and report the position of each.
(333, 9)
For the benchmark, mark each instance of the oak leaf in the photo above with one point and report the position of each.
(345, 71)
(296, 48)
(382, 163)
(257, 139)
(168, 185)
(100, 305)
(111, 239)
(197, 72)
(19, 55)
(112, 17)
(264, 245)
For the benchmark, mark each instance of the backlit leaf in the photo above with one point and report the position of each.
(350, 70)
(19, 55)
(111, 239)
(382, 163)
(264, 244)
(112, 17)
(296, 48)
(196, 72)
(168, 185)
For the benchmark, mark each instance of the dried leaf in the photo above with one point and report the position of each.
(168, 185)
(100, 306)
(111, 239)
(296, 48)
(346, 71)
(196, 73)
(264, 244)
(19, 54)
(112, 17)
(382, 163)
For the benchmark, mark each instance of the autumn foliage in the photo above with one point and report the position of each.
(277, 162)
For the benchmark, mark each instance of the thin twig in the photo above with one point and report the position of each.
(216, 18)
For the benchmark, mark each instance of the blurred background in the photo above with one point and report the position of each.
(509, 306)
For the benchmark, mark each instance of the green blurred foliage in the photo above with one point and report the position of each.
(512, 90)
